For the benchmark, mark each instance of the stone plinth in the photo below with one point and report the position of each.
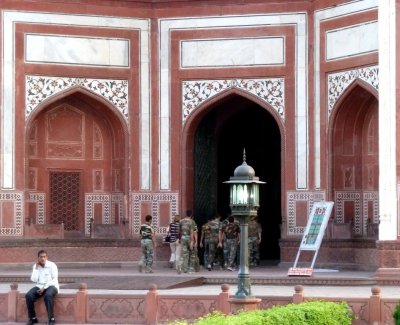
(243, 304)
(51, 231)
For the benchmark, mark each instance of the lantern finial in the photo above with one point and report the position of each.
(244, 156)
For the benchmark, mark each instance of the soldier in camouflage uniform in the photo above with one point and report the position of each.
(186, 228)
(205, 240)
(213, 242)
(229, 239)
(255, 231)
(224, 223)
(194, 261)
(148, 243)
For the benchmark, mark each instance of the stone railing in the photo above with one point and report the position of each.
(51, 231)
(154, 307)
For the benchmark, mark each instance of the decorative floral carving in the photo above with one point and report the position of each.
(196, 92)
(40, 88)
(338, 82)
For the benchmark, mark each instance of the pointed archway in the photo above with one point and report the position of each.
(228, 126)
(354, 157)
(77, 157)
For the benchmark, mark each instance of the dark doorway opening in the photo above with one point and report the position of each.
(221, 136)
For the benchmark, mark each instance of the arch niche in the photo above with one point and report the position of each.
(355, 159)
(76, 144)
(213, 140)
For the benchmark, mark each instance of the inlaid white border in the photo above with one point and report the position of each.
(9, 19)
(299, 20)
(18, 199)
(319, 17)
(40, 200)
(292, 198)
(154, 199)
(346, 196)
(90, 199)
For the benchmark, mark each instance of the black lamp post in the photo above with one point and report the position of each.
(244, 203)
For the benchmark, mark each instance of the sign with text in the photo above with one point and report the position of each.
(316, 225)
(313, 234)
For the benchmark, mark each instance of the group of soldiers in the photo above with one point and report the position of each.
(220, 242)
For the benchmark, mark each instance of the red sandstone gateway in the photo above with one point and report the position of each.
(115, 110)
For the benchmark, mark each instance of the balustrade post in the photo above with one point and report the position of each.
(298, 295)
(223, 304)
(81, 304)
(375, 316)
(151, 305)
(12, 302)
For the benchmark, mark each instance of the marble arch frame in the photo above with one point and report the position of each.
(187, 140)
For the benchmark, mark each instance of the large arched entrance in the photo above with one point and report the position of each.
(355, 161)
(230, 126)
(76, 149)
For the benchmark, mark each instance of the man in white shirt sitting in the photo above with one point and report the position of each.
(45, 275)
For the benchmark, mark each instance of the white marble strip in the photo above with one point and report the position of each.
(320, 16)
(9, 19)
(299, 20)
(352, 41)
(41, 48)
(254, 51)
(388, 227)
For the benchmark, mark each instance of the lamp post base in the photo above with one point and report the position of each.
(243, 304)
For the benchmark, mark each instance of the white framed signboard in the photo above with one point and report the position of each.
(313, 235)
(316, 225)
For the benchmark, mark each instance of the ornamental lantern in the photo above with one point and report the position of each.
(244, 203)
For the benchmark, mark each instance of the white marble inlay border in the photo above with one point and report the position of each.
(346, 196)
(154, 200)
(40, 200)
(292, 197)
(90, 199)
(298, 20)
(40, 88)
(118, 198)
(196, 92)
(338, 82)
(17, 198)
(9, 20)
(370, 196)
(319, 17)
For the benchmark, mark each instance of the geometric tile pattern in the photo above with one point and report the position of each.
(195, 92)
(90, 199)
(292, 199)
(338, 82)
(39, 199)
(17, 199)
(340, 198)
(117, 198)
(39, 88)
(154, 199)
(370, 196)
